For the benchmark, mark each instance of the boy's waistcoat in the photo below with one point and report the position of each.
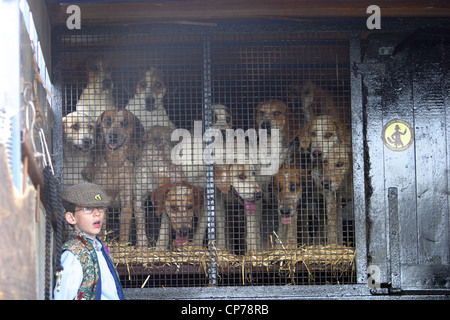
(83, 249)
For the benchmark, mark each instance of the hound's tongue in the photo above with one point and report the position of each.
(286, 220)
(180, 240)
(250, 206)
(112, 146)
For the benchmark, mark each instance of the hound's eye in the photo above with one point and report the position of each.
(190, 207)
(108, 121)
(242, 176)
(313, 134)
(158, 85)
(261, 113)
(94, 68)
(143, 84)
(174, 208)
(292, 188)
(307, 91)
(228, 119)
(124, 123)
(76, 126)
(339, 164)
(277, 113)
(91, 127)
(328, 135)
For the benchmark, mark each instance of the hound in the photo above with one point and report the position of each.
(276, 115)
(79, 138)
(321, 134)
(240, 180)
(153, 169)
(292, 185)
(147, 102)
(120, 137)
(316, 101)
(222, 118)
(177, 204)
(97, 96)
(333, 177)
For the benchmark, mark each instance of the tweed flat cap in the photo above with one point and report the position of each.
(86, 194)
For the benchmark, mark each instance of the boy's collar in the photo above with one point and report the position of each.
(95, 242)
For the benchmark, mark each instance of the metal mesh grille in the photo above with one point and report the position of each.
(175, 222)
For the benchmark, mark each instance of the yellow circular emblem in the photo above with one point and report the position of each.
(98, 198)
(398, 135)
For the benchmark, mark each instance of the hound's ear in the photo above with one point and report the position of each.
(272, 185)
(198, 201)
(158, 198)
(222, 178)
(64, 125)
(292, 129)
(305, 136)
(254, 121)
(138, 131)
(343, 130)
(98, 127)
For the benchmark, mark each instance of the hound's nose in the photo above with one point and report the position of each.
(150, 103)
(317, 154)
(285, 211)
(326, 184)
(266, 125)
(107, 84)
(113, 136)
(184, 231)
(258, 195)
(87, 142)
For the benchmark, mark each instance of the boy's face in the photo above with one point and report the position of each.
(89, 223)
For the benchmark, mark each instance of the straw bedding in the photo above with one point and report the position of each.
(337, 257)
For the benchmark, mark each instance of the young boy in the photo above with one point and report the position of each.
(88, 272)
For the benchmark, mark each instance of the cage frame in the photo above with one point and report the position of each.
(354, 28)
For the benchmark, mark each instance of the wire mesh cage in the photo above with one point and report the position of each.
(228, 156)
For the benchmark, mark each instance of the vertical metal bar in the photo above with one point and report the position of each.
(210, 189)
(57, 104)
(359, 189)
(394, 238)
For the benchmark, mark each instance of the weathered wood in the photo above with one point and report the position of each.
(205, 12)
(18, 268)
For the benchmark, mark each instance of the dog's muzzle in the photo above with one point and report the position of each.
(316, 154)
(107, 84)
(86, 144)
(150, 103)
(250, 205)
(113, 141)
(182, 236)
(266, 125)
(285, 215)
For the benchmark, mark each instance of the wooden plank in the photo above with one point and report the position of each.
(201, 12)
(432, 164)
(18, 269)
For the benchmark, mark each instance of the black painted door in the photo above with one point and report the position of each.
(406, 89)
